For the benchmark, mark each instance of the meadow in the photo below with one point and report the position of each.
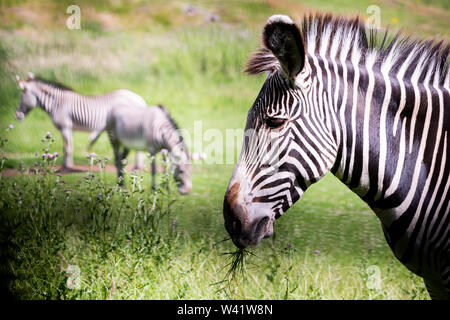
(135, 243)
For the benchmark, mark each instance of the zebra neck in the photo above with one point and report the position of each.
(50, 98)
(393, 137)
(178, 150)
(46, 102)
(173, 141)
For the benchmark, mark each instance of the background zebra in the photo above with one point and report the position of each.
(375, 112)
(72, 111)
(150, 129)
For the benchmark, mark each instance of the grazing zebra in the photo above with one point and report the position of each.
(151, 129)
(72, 111)
(375, 112)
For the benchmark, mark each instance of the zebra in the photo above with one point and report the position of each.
(151, 129)
(72, 111)
(374, 110)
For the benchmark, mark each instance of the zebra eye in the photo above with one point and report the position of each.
(275, 122)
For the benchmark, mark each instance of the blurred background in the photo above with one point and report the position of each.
(189, 55)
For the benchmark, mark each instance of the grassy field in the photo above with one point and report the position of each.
(138, 244)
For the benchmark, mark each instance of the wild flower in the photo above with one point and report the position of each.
(10, 127)
(48, 135)
(91, 156)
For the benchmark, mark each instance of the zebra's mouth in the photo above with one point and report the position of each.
(20, 115)
(262, 228)
(184, 190)
(243, 238)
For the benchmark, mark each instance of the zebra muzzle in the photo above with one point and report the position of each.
(20, 115)
(245, 231)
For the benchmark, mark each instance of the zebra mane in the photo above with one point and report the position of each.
(174, 125)
(344, 39)
(169, 117)
(53, 84)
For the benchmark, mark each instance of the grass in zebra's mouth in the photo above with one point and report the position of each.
(235, 270)
(236, 266)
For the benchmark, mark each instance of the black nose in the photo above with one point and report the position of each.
(241, 228)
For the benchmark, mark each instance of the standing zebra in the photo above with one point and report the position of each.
(375, 113)
(151, 129)
(72, 111)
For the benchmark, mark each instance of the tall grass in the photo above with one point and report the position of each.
(134, 243)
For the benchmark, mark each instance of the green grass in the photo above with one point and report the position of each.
(323, 248)
(110, 240)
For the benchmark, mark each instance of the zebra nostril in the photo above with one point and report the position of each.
(20, 115)
(236, 226)
(261, 226)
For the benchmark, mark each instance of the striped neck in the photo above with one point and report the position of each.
(49, 96)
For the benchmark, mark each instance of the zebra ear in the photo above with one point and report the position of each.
(20, 83)
(282, 36)
(30, 76)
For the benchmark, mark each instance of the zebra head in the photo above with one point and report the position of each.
(182, 175)
(28, 99)
(180, 159)
(173, 139)
(284, 148)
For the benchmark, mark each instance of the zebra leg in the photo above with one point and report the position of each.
(118, 163)
(153, 173)
(124, 153)
(68, 148)
(437, 290)
(140, 159)
(120, 155)
(94, 137)
(117, 159)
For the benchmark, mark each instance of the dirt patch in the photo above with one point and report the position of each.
(79, 168)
